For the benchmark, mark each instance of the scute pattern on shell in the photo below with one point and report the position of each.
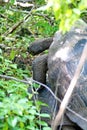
(64, 55)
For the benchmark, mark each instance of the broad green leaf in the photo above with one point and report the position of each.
(47, 128)
(76, 11)
(32, 111)
(42, 123)
(14, 66)
(12, 121)
(31, 127)
(44, 115)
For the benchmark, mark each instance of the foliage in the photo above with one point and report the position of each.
(17, 109)
(38, 25)
(66, 11)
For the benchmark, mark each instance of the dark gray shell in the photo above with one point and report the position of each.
(64, 55)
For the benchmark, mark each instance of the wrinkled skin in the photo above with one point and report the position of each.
(62, 60)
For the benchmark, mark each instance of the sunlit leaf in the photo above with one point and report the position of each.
(76, 11)
(46, 128)
(12, 54)
(5, 126)
(44, 115)
(42, 123)
(12, 121)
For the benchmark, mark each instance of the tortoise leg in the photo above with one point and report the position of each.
(39, 67)
(39, 46)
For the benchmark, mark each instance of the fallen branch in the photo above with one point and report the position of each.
(30, 80)
(71, 87)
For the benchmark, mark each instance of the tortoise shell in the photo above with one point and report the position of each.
(63, 58)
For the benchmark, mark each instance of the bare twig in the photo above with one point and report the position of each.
(18, 24)
(13, 28)
(29, 81)
(45, 86)
(44, 16)
(4, 16)
(17, 10)
(70, 89)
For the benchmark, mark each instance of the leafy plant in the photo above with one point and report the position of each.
(66, 11)
(17, 110)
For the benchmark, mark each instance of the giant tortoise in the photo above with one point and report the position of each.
(57, 69)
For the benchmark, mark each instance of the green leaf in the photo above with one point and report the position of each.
(12, 1)
(31, 127)
(19, 110)
(21, 124)
(0, 51)
(32, 111)
(14, 66)
(12, 121)
(5, 127)
(47, 128)
(12, 54)
(76, 11)
(2, 93)
(44, 115)
(31, 117)
(83, 5)
(1, 58)
(42, 123)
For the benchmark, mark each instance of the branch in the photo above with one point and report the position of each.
(45, 86)
(71, 87)
(4, 16)
(13, 28)
(44, 16)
